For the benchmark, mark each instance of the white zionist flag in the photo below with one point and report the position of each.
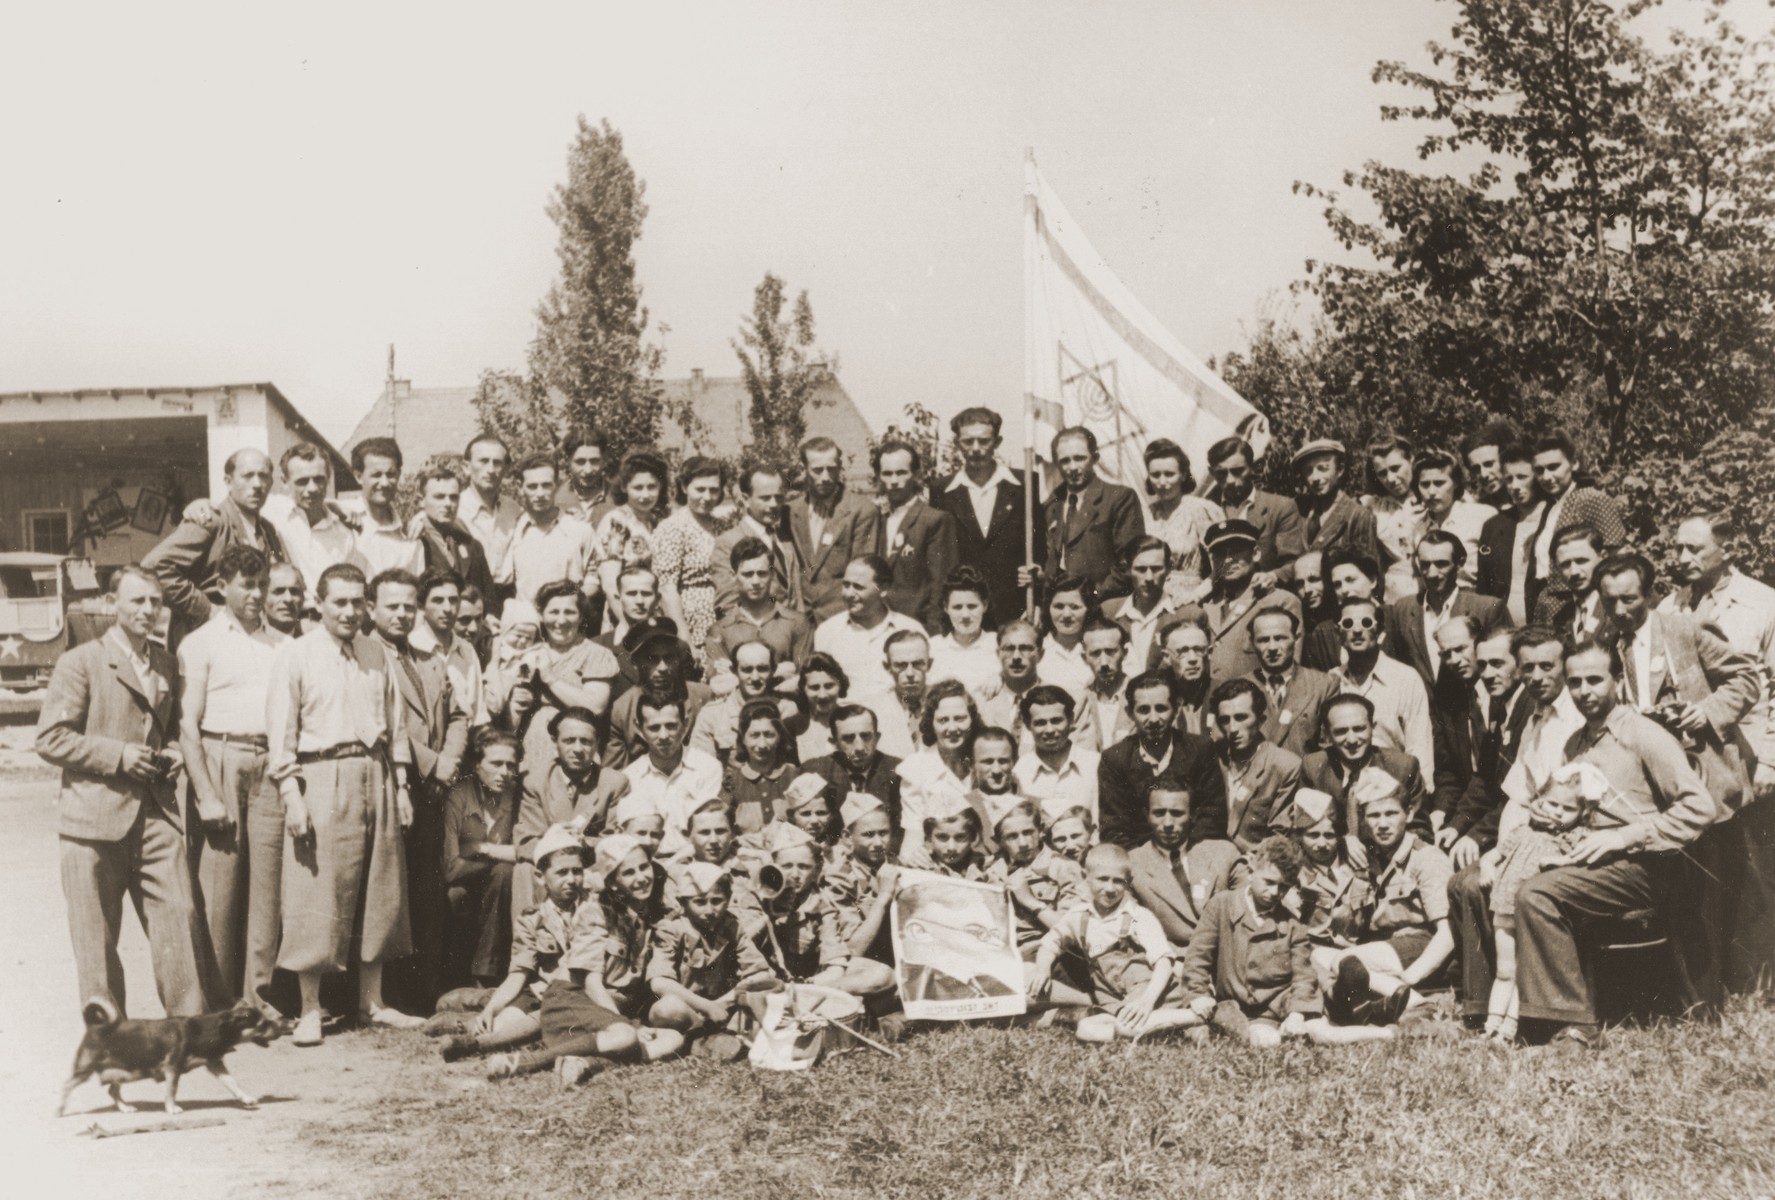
(1094, 355)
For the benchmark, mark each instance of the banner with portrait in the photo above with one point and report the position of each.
(955, 949)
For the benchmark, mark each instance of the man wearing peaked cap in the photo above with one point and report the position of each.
(1233, 600)
(1331, 515)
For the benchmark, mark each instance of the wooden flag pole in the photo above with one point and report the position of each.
(1030, 233)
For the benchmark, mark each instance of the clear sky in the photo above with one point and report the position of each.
(197, 194)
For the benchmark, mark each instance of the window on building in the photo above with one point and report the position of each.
(46, 531)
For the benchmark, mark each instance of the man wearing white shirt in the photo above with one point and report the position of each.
(224, 667)
(1401, 705)
(986, 499)
(907, 658)
(547, 545)
(857, 637)
(675, 779)
(440, 601)
(489, 516)
(383, 543)
(315, 536)
(1055, 771)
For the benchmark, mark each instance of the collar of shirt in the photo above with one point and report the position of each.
(528, 521)
(1157, 764)
(393, 528)
(1251, 918)
(1279, 681)
(1000, 474)
(422, 639)
(143, 663)
(1068, 767)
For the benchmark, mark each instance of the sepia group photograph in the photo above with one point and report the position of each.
(807, 598)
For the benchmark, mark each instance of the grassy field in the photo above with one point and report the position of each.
(968, 1111)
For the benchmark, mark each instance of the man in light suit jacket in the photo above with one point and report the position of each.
(1439, 557)
(110, 723)
(186, 559)
(986, 498)
(1175, 872)
(437, 731)
(1091, 525)
(917, 540)
(830, 527)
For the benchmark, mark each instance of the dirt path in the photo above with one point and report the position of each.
(259, 1151)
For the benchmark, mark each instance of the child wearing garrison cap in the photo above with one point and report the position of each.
(860, 884)
(800, 934)
(580, 1018)
(642, 820)
(701, 960)
(803, 806)
(1042, 885)
(1070, 830)
(952, 836)
(508, 1016)
(1322, 890)
(1131, 964)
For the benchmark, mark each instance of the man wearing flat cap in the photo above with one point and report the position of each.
(1333, 517)
(1233, 601)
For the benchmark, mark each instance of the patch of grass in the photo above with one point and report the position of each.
(968, 1111)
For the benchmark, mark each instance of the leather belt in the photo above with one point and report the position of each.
(334, 753)
(248, 741)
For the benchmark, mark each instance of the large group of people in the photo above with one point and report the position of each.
(593, 756)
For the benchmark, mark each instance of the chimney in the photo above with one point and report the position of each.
(696, 378)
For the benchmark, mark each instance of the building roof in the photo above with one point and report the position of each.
(428, 422)
(298, 422)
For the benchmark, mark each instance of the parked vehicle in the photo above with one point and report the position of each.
(48, 603)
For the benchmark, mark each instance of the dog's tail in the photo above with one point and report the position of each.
(101, 1013)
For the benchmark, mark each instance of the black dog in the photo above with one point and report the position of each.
(119, 1051)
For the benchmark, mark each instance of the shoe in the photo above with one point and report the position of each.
(892, 1027)
(308, 1030)
(446, 1024)
(574, 1071)
(1197, 1035)
(1582, 1037)
(502, 1066)
(1349, 990)
(718, 1047)
(1388, 1009)
(457, 1047)
(390, 1018)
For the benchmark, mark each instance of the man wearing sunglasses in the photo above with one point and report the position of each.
(1401, 705)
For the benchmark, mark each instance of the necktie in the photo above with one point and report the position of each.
(1630, 664)
(1072, 510)
(1313, 526)
(412, 673)
(1181, 874)
(1495, 712)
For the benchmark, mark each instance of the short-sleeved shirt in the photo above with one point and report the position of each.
(1074, 785)
(617, 952)
(802, 941)
(1409, 891)
(677, 794)
(1128, 933)
(233, 669)
(566, 550)
(710, 963)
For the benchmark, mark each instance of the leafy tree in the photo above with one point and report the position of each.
(1606, 268)
(782, 370)
(590, 364)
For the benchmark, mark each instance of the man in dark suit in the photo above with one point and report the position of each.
(830, 527)
(1281, 534)
(110, 723)
(917, 540)
(1503, 540)
(986, 498)
(1332, 517)
(186, 560)
(1350, 750)
(436, 723)
(1157, 749)
(857, 764)
(1439, 556)
(1091, 525)
(448, 546)
(1479, 710)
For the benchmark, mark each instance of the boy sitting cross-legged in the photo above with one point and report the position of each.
(701, 960)
(1130, 959)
